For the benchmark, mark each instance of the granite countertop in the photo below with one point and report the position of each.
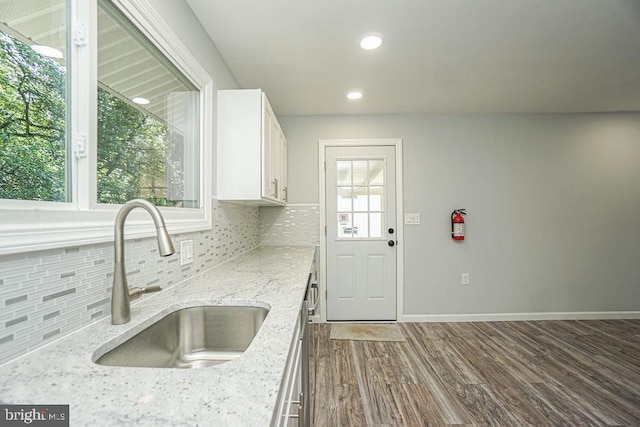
(240, 392)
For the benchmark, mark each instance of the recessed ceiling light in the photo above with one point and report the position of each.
(371, 42)
(49, 51)
(354, 95)
(140, 101)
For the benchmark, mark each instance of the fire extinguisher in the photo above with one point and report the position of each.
(457, 224)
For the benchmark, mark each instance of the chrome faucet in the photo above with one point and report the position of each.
(120, 293)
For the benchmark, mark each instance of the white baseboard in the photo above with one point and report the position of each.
(498, 317)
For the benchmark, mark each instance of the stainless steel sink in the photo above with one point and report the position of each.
(193, 337)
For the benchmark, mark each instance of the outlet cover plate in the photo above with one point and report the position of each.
(465, 278)
(186, 252)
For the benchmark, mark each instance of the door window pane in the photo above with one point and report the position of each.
(344, 172)
(376, 172)
(33, 101)
(148, 120)
(345, 226)
(360, 196)
(361, 223)
(375, 225)
(344, 199)
(376, 199)
(360, 172)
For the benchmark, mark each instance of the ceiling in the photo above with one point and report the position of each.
(128, 66)
(438, 56)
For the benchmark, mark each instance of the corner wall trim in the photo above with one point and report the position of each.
(502, 317)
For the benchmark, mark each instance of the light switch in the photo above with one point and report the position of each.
(412, 219)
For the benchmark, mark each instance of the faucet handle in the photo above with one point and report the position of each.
(136, 292)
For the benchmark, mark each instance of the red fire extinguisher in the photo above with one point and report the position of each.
(457, 224)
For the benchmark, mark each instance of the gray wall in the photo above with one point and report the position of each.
(553, 204)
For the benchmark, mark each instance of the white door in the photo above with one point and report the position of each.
(360, 185)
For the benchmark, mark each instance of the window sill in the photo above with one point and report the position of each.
(62, 229)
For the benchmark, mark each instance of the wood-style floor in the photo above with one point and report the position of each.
(543, 373)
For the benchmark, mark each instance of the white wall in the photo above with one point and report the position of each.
(179, 16)
(553, 204)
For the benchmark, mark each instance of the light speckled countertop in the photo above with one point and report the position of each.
(240, 392)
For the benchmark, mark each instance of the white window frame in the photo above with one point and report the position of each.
(27, 226)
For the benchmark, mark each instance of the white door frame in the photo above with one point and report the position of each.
(322, 285)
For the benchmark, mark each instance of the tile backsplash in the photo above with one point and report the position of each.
(47, 294)
(290, 225)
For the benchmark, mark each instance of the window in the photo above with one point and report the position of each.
(33, 102)
(147, 119)
(360, 192)
(110, 112)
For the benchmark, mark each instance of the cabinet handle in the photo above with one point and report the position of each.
(301, 414)
(274, 183)
(286, 193)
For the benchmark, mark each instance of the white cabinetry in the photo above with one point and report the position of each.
(290, 401)
(252, 149)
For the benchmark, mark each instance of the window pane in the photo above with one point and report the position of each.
(361, 223)
(148, 120)
(343, 168)
(360, 195)
(345, 226)
(360, 172)
(344, 199)
(376, 198)
(375, 225)
(376, 172)
(33, 106)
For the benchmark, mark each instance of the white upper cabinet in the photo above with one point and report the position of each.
(252, 149)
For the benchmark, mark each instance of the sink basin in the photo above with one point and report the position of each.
(193, 337)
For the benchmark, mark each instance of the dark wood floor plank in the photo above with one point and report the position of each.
(419, 407)
(350, 411)
(520, 335)
(569, 406)
(452, 410)
(323, 404)
(615, 409)
(543, 373)
(345, 371)
(483, 404)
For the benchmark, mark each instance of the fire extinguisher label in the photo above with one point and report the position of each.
(458, 229)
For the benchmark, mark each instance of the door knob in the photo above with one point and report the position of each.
(391, 243)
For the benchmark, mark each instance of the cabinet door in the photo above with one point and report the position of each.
(284, 184)
(269, 183)
(276, 161)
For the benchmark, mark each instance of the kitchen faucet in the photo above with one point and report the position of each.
(120, 293)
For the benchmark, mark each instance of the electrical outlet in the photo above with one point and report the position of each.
(186, 252)
(465, 279)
